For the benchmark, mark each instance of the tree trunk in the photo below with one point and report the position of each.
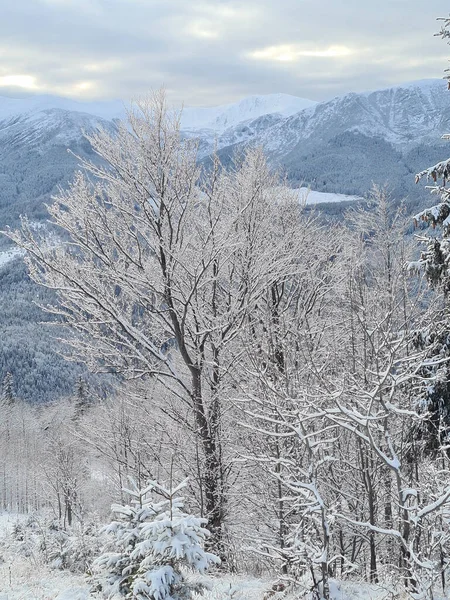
(367, 469)
(212, 475)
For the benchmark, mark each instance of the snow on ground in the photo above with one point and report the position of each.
(308, 196)
(7, 521)
(27, 578)
(311, 197)
(20, 579)
(9, 255)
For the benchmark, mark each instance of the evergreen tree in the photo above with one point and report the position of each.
(82, 401)
(435, 262)
(152, 541)
(8, 396)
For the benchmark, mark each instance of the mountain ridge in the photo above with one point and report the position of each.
(338, 146)
(215, 118)
(335, 146)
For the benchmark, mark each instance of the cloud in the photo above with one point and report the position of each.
(292, 52)
(27, 82)
(212, 51)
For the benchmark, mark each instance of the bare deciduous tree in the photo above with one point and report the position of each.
(161, 265)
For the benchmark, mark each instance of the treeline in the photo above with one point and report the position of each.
(351, 161)
(29, 346)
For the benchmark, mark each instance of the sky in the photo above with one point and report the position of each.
(217, 51)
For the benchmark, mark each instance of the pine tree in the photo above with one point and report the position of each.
(435, 261)
(82, 401)
(152, 541)
(8, 396)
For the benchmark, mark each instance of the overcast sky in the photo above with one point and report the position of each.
(215, 51)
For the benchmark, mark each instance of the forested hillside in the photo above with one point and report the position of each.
(345, 144)
(38, 152)
(29, 348)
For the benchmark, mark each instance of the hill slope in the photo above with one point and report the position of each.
(337, 146)
(344, 144)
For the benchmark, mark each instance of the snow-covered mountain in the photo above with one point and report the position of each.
(216, 118)
(35, 133)
(401, 115)
(34, 157)
(220, 118)
(10, 108)
(339, 146)
(347, 143)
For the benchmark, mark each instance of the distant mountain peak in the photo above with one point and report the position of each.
(420, 83)
(423, 85)
(220, 118)
(12, 107)
(217, 118)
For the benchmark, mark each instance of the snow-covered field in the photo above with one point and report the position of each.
(20, 579)
(28, 578)
(8, 255)
(311, 197)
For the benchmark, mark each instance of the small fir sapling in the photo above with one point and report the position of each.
(154, 541)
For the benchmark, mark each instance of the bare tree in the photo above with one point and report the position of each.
(161, 267)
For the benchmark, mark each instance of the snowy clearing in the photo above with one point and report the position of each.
(309, 196)
(9, 255)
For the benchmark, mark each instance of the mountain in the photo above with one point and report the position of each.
(401, 115)
(342, 145)
(12, 107)
(220, 118)
(35, 133)
(216, 119)
(34, 157)
(339, 146)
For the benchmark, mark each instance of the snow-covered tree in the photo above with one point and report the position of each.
(435, 262)
(164, 263)
(65, 469)
(154, 545)
(82, 398)
(332, 406)
(285, 343)
(8, 395)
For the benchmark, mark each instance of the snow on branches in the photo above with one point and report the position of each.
(154, 541)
